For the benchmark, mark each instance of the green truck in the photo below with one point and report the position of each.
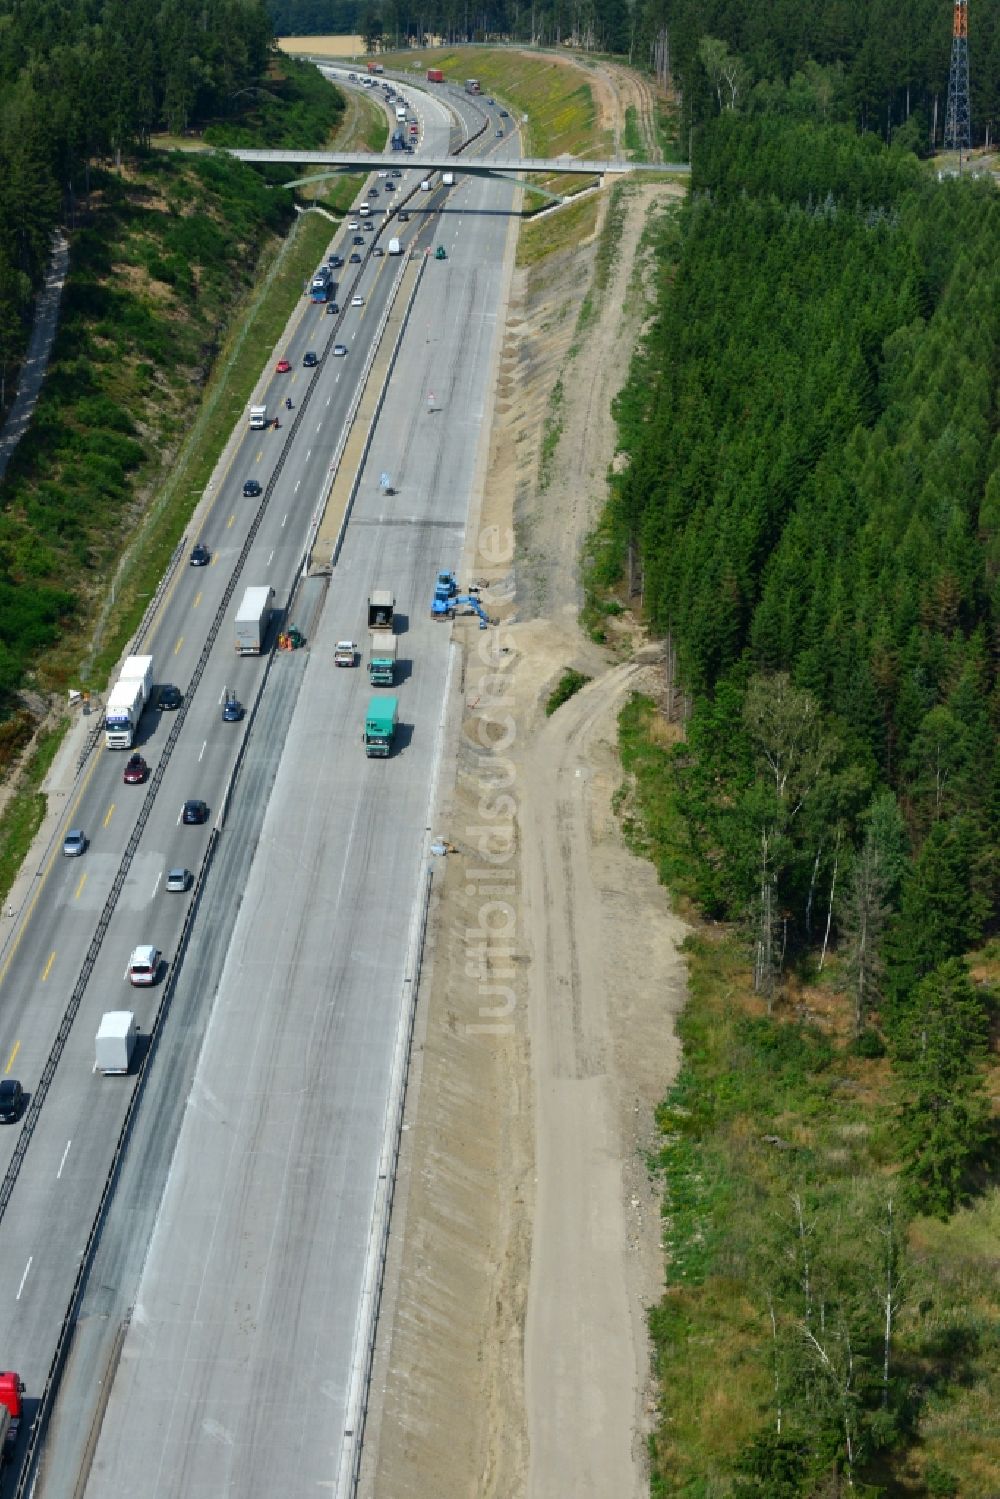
(380, 726)
(382, 661)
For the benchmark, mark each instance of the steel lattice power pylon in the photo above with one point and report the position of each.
(957, 125)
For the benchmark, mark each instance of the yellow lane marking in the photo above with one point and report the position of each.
(48, 967)
(229, 522)
(180, 642)
(107, 819)
(79, 888)
(10, 1059)
(197, 600)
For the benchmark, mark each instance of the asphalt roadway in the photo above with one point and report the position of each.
(214, 1345)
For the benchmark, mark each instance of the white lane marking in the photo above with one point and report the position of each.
(309, 455)
(270, 559)
(296, 489)
(328, 400)
(63, 1161)
(179, 816)
(204, 747)
(157, 885)
(24, 1277)
(283, 522)
(319, 426)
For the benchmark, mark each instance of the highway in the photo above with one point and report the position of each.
(219, 1325)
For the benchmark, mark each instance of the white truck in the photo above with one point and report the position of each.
(258, 418)
(128, 698)
(395, 247)
(115, 1043)
(448, 178)
(345, 653)
(252, 620)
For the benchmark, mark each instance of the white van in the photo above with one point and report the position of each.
(394, 247)
(425, 186)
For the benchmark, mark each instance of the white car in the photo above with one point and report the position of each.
(353, 224)
(143, 965)
(339, 350)
(357, 301)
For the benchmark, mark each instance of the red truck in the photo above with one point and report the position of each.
(435, 75)
(375, 67)
(11, 1390)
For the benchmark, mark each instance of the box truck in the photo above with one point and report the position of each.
(382, 658)
(380, 727)
(115, 1042)
(258, 418)
(448, 178)
(128, 698)
(381, 609)
(252, 620)
(435, 75)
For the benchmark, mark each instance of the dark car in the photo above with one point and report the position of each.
(403, 216)
(356, 258)
(369, 227)
(136, 770)
(373, 192)
(232, 708)
(395, 173)
(251, 489)
(390, 187)
(169, 696)
(378, 251)
(332, 308)
(335, 262)
(194, 812)
(11, 1100)
(310, 360)
(200, 556)
(504, 115)
(499, 132)
(358, 240)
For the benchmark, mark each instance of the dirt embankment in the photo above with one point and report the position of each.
(513, 1357)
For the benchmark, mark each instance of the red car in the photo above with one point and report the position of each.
(282, 367)
(136, 770)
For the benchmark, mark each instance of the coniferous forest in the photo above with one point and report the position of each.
(810, 514)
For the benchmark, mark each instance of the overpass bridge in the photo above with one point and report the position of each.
(467, 166)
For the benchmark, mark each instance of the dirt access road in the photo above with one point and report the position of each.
(512, 1356)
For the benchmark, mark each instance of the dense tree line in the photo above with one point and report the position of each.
(813, 504)
(85, 79)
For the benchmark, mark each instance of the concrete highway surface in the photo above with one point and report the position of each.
(219, 1328)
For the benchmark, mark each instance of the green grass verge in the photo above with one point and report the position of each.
(632, 136)
(777, 1159)
(551, 434)
(568, 686)
(562, 230)
(223, 406)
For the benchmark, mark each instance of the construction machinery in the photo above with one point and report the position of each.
(466, 603)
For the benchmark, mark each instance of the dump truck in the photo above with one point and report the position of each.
(381, 609)
(345, 653)
(252, 620)
(380, 727)
(115, 1042)
(382, 658)
(258, 418)
(435, 75)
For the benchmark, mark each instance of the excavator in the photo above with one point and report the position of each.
(449, 607)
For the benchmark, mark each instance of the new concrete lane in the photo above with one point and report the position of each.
(235, 1369)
